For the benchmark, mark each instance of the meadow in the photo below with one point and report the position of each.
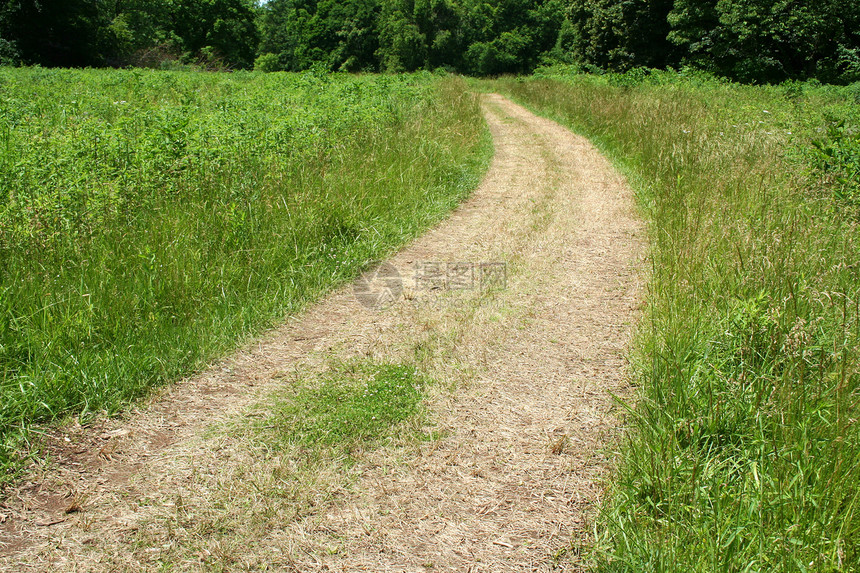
(742, 449)
(152, 221)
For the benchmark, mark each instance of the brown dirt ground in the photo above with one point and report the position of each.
(510, 464)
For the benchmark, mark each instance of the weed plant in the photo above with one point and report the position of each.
(744, 447)
(356, 404)
(151, 221)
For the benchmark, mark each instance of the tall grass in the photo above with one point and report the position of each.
(744, 449)
(151, 221)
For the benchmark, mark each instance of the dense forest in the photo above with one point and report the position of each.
(746, 40)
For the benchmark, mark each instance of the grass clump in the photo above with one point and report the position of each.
(151, 221)
(279, 467)
(744, 450)
(355, 404)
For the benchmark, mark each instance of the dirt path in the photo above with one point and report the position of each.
(519, 415)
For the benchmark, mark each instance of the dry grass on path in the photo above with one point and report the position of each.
(510, 465)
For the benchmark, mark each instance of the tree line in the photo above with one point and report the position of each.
(78, 33)
(747, 40)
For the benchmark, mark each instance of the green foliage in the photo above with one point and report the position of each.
(150, 221)
(475, 37)
(744, 451)
(837, 156)
(354, 405)
(136, 26)
(76, 33)
(620, 35)
(8, 53)
(758, 41)
(267, 63)
(754, 41)
(510, 36)
(56, 32)
(403, 45)
(217, 30)
(340, 36)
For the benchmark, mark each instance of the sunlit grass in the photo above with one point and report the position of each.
(354, 405)
(744, 452)
(151, 221)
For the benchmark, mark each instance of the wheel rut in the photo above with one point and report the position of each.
(520, 306)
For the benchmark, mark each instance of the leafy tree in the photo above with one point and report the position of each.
(750, 40)
(509, 36)
(419, 34)
(224, 29)
(57, 32)
(283, 33)
(100, 32)
(760, 41)
(693, 26)
(620, 35)
(354, 26)
(9, 54)
(139, 25)
(403, 48)
(338, 35)
(476, 36)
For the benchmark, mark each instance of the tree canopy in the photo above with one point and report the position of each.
(748, 40)
(78, 33)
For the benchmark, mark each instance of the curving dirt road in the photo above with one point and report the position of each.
(520, 413)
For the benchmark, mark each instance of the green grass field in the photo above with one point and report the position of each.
(744, 449)
(152, 221)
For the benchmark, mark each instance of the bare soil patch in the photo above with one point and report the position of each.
(511, 464)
